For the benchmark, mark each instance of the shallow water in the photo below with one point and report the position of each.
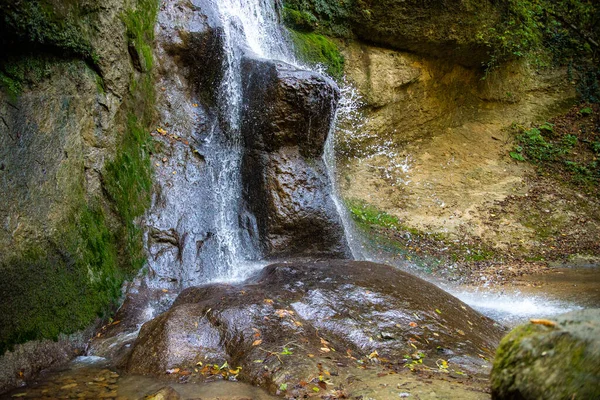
(92, 378)
(535, 296)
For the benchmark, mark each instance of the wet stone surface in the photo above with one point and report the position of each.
(298, 327)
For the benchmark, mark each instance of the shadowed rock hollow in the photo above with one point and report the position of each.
(295, 319)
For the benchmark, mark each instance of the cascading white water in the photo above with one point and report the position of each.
(347, 116)
(249, 25)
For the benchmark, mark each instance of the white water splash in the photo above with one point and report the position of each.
(512, 308)
(348, 119)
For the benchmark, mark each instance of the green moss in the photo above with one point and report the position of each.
(17, 72)
(60, 288)
(430, 252)
(533, 360)
(53, 24)
(128, 182)
(317, 49)
(140, 29)
(301, 21)
(332, 18)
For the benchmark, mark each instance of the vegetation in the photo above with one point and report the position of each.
(550, 33)
(429, 251)
(317, 50)
(331, 18)
(567, 148)
(311, 23)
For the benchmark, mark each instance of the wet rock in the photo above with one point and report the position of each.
(550, 359)
(285, 124)
(299, 319)
(166, 393)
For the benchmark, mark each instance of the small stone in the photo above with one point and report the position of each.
(69, 386)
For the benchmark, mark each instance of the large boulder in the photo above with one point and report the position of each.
(285, 124)
(550, 359)
(295, 320)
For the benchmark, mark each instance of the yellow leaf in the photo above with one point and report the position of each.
(325, 349)
(257, 342)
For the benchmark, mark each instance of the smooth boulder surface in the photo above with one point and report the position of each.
(285, 124)
(297, 319)
(550, 359)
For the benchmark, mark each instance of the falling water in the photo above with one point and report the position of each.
(249, 25)
(347, 117)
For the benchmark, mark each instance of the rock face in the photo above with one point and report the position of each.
(67, 103)
(296, 318)
(444, 29)
(557, 360)
(285, 124)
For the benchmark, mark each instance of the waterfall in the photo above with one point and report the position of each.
(249, 25)
(200, 207)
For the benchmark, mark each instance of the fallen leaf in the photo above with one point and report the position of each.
(257, 342)
(413, 324)
(268, 301)
(165, 291)
(322, 385)
(373, 355)
(195, 105)
(325, 349)
(545, 322)
(438, 311)
(460, 332)
(173, 371)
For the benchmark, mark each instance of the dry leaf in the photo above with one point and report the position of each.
(257, 342)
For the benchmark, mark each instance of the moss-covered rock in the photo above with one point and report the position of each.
(74, 162)
(316, 49)
(558, 359)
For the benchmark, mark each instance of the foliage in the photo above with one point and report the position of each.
(547, 32)
(569, 152)
(317, 49)
(301, 21)
(331, 18)
(40, 23)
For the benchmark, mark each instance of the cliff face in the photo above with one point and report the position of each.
(74, 170)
